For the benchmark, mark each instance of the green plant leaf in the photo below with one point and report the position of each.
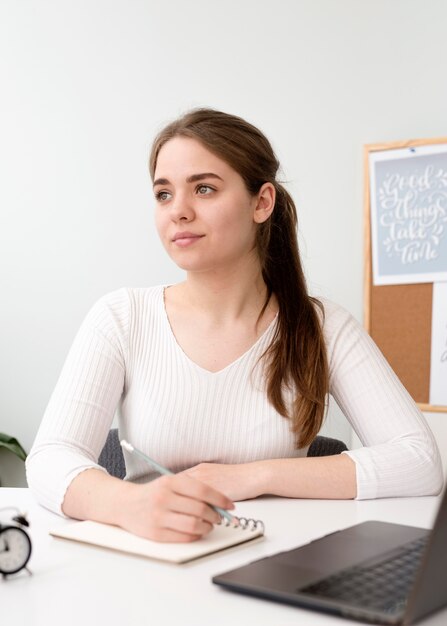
(13, 445)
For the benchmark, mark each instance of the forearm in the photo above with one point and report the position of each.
(310, 477)
(331, 477)
(96, 496)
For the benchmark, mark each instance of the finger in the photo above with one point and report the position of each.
(195, 508)
(186, 524)
(187, 486)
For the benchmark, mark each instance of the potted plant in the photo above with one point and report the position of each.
(10, 443)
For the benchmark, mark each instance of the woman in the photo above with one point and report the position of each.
(223, 378)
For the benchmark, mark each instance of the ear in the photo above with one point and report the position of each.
(265, 203)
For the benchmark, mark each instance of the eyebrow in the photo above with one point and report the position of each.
(191, 179)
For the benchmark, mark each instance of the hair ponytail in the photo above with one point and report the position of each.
(297, 355)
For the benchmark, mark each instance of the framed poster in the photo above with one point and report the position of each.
(405, 283)
(409, 214)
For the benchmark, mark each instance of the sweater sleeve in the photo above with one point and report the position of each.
(400, 456)
(81, 409)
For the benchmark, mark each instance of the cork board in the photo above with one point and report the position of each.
(399, 316)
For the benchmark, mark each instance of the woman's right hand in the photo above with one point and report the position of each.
(171, 509)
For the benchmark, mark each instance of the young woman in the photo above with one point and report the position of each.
(223, 378)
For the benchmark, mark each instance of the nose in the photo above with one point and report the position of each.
(181, 208)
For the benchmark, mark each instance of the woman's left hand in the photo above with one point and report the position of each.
(237, 482)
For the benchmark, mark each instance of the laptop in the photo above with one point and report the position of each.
(375, 572)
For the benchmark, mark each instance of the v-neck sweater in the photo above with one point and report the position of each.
(125, 359)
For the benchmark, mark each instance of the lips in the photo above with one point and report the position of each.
(185, 239)
(185, 235)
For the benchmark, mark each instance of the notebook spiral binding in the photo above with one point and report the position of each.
(245, 523)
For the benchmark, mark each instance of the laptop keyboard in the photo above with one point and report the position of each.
(382, 586)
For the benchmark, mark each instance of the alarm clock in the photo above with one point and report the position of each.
(15, 546)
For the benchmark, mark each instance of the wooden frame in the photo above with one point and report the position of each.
(381, 301)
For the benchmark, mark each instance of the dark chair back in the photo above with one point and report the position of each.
(111, 456)
(325, 446)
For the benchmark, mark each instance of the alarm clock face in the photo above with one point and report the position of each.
(15, 549)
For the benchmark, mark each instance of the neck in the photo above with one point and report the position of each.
(229, 294)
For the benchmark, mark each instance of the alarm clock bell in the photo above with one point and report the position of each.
(15, 545)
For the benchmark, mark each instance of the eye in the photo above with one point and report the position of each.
(204, 190)
(162, 196)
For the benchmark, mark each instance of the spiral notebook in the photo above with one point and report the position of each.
(115, 538)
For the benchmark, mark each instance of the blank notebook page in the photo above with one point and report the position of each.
(116, 538)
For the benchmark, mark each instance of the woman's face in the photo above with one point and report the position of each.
(205, 217)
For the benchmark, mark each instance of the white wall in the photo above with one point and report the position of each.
(86, 84)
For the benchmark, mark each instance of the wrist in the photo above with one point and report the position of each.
(125, 495)
(262, 477)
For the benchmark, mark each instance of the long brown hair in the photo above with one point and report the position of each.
(296, 358)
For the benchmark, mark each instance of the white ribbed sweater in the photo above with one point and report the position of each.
(125, 354)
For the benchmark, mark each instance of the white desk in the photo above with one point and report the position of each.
(79, 585)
